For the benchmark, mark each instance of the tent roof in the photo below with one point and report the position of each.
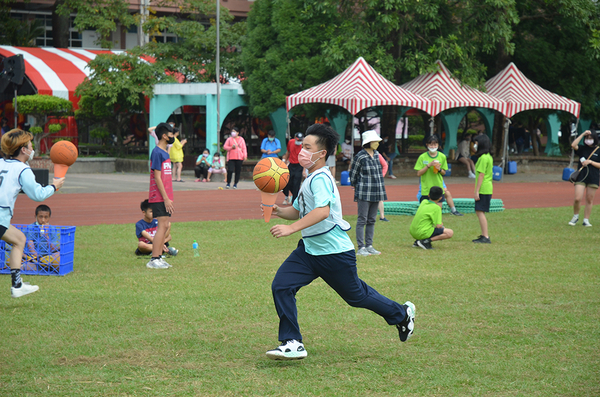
(358, 88)
(447, 92)
(521, 94)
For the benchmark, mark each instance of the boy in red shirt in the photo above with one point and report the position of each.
(161, 192)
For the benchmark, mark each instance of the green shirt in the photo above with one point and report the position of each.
(428, 216)
(485, 166)
(430, 179)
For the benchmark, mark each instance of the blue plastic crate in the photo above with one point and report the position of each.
(48, 252)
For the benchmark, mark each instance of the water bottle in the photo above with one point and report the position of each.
(195, 248)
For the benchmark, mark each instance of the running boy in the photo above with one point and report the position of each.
(431, 166)
(325, 251)
(145, 229)
(427, 224)
(161, 193)
(483, 185)
(15, 175)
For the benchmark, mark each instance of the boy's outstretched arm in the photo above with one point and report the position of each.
(313, 217)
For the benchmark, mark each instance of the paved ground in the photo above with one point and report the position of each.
(88, 199)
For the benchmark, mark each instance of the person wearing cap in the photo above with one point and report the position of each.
(270, 146)
(366, 176)
(235, 146)
(160, 196)
(291, 159)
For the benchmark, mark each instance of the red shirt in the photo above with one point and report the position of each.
(293, 150)
(160, 160)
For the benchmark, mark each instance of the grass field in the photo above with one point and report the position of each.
(516, 318)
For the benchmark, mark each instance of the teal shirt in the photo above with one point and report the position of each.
(335, 240)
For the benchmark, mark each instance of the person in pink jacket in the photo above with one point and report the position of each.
(236, 154)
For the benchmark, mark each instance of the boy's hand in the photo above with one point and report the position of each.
(58, 183)
(476, 196)
(169, 206)
(281, 231)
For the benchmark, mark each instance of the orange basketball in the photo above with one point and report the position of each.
(271, 175)
(63, 152)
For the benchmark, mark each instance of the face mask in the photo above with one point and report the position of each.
(233, 134)
(589, 142)
(374, 145)
(432, 149)
(33, 153)
(305, 158)
(204, 155)
(171, 140)
(347, 141)
(475, 147)
(297, 142)
(271, 139)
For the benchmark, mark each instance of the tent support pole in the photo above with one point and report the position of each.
(507, 122)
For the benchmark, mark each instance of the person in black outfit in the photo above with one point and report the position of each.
(589, 178)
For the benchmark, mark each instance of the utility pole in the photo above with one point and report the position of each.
(218, 66)
(142, 37)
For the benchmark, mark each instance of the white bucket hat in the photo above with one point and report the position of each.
(370, 136)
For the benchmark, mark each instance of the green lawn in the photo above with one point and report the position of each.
(515, 318)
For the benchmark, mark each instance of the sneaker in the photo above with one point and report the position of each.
(227, 186)
(235, 186)
(384, 219)
(138, 252)
(407, 327)
(586, 223)
(471, 175)
(363, 252)
(197, 180)
(23, 290)
(482, 240)
(392, 176)
(456, 213)
(157, 264)
(288, 350)
(425, 244)
(372, 250)
(164, 263)
(415, 244)
(574, 220)
(173, 251)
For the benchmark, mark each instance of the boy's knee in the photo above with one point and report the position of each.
(449, 232)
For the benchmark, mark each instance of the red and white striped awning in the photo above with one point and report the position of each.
(55, 71)
(521, 94)
(358, 88)
(446, 92)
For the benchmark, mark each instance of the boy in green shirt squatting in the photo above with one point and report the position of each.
(483, 185)
(427, 225)
(325, 251)
(431, 167)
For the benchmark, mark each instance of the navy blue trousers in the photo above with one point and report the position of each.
(339, 272)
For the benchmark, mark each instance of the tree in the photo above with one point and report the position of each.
(41, 107)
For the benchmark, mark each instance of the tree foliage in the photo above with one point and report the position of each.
(41, 107)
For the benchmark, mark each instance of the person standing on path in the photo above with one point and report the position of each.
(235, 146)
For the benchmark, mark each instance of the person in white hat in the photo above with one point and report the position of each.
(367, 178)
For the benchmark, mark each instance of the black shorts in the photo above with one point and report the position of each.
(3, 230)
(437, 231)
(427, 198)
(159, 209)
(483, 204)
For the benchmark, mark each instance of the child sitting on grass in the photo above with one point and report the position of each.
(427, 225)
(145, 229)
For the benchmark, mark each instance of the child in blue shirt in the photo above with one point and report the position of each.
(325, 251)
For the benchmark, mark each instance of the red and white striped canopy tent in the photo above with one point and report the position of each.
(56, 71)
(520, 93)
(447, 92)
(358, 88)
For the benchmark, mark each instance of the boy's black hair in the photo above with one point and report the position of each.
(43, 207)
(161, 129)
(435, 193)
(432, 139)
(327, 138)
(594, 136)
(483, 144)
(145, 205)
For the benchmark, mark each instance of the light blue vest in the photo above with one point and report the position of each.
(306, 204)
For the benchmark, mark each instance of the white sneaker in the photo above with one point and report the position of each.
(407, 327)
(471, 175)
(165, 263)
(586, 223)
(156, 264)
(372, 250)
(288, 350)
(363, 252)
(392, 176)
(574, 220)
(25, 289)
